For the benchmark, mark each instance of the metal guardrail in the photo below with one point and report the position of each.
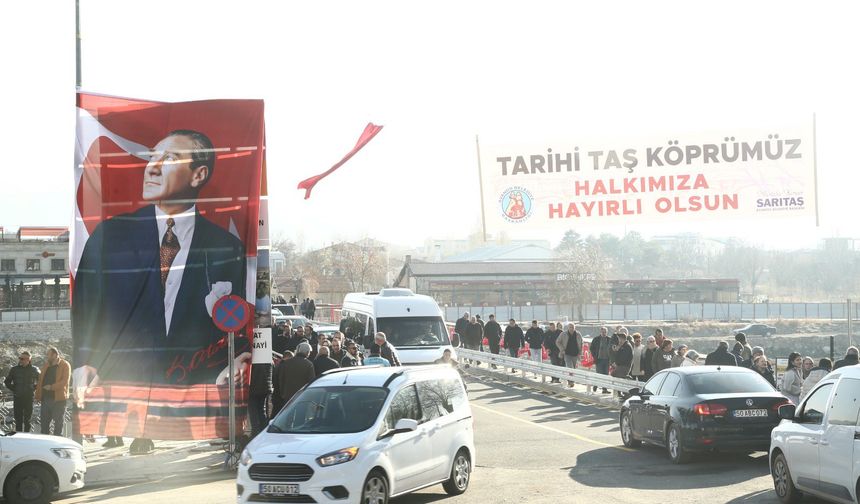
(546, 370)
(7, 417)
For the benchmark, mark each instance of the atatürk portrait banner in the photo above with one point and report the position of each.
(166, 207)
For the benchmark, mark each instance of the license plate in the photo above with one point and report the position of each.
(278, 490)
(747, 413)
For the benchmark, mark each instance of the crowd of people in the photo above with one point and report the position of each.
(305, 355)
(625, 355)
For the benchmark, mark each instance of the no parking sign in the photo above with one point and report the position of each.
(230, 313)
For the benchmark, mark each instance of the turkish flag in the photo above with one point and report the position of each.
(370, 131)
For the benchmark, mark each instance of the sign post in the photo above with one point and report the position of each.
(231, 313)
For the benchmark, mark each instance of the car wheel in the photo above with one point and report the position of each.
(461, 472)
(375, 490)
(675, 445)
(782, 482)
(627, 431)
(29, 485)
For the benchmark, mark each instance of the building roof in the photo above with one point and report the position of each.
(420, 269)
(508, 252)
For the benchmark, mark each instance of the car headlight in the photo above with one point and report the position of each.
(246, 458)
(67, 453)
(338, 457)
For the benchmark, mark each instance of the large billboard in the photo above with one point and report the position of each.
(166, 222)
(563, 183)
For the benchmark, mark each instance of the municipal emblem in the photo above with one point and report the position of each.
(516, 204)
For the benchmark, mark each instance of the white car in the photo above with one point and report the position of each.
(35, 467)
(363, 435)
(816, 448)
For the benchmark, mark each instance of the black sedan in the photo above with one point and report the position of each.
(757, 330)
(702, 408)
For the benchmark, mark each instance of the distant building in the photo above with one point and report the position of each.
(28, 257)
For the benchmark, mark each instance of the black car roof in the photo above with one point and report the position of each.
(688, 370)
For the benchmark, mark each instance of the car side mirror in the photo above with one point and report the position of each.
(405, 425)
(787, 411)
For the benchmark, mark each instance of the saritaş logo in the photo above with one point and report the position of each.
(516, 203)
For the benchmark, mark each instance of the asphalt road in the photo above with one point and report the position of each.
(534, 448)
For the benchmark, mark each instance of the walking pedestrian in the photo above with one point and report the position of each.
(493, 333)
(601, 347)
(22, 380)
(569, 344)
(53, 391)
(534, 337)
(549, 342)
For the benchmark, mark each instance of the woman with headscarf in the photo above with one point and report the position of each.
(792, 382)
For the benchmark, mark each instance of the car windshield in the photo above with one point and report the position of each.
(727, 383)
(331, 410)
(414, 331)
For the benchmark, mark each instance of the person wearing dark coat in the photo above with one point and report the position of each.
(513, 338)
(351, 358)
(258, 396)
(474, 335)
(291, 375)
(647, 363)
(721, 356)
(22, 380)
(549, 342)
(461, 325)
(323, 362)
(534, 337)
(493, 333)
(852, 357)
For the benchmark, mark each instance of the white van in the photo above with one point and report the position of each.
(364, 435)
(412, 323)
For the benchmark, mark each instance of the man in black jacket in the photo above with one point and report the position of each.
(22, 380)
(258, 396)
(293, 374)
(534, 337)
(513, 339)
(461, 325)
(721, 356)
(549, 339)
(323, 362)
(852, 357)
(493, 333)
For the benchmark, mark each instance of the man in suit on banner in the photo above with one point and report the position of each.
(147, 280)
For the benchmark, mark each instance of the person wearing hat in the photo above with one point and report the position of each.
(678, 359)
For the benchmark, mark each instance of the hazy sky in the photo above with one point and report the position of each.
(435, 75)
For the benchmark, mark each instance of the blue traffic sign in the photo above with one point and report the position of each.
(230, 313)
